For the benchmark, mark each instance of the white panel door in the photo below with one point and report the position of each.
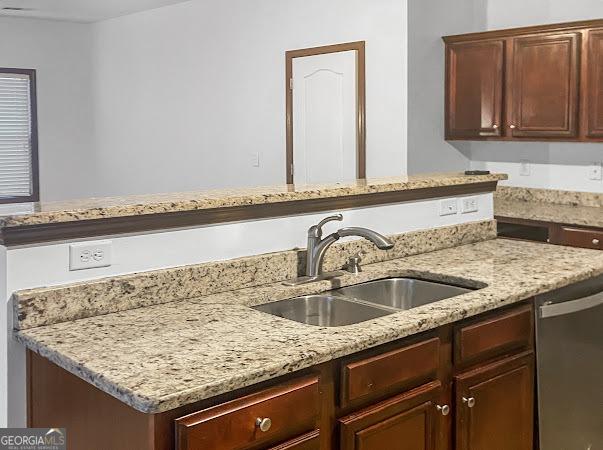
(324, 118)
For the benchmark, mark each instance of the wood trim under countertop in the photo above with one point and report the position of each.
(30, 234)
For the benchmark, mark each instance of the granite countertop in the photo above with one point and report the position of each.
(588, 216)
(549, 205)
(114, 207)
(160, 357)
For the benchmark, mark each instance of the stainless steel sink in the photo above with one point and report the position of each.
(323, 310)
(401, 293)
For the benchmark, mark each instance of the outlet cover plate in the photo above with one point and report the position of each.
(469, 205)
(90, 255)
(595, 172)
(448, 207)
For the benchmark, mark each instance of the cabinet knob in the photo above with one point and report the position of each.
(263, 424)
(495, 126)
(445, 410)
(596, 241)
(470, 402)
(512, 127)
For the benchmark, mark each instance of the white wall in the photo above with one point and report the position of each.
(428, 21)
(177, 98)
(184, 94)
(555, 165)
(60, 52)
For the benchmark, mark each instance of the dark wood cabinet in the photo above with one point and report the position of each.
(549, 86)
(543, 88)
(495, 405)
(475, 94)
(593, 98)
(369, 378)
(406, 395)
(266, 417)
(553, 233)
(405, 422)
(577, 237)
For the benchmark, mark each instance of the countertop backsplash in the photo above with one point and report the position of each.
(50, 305)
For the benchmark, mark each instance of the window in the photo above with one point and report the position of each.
(18, 136)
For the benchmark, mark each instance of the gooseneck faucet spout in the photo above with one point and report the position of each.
(378, 239)
(317, 246)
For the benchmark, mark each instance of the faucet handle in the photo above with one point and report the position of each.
(323, 222)
(316, 230)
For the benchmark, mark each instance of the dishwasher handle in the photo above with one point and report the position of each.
(574, 306)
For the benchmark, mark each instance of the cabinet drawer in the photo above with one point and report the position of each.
(379, 374)
(578, 237)
(292, 408)
(309, 441)
(496, 335)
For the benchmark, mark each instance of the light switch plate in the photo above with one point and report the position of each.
(524, 168)
(255, 159)
(89, 255)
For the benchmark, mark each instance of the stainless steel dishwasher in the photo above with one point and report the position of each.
(569, 340)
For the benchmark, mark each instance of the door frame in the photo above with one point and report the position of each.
(359, 48)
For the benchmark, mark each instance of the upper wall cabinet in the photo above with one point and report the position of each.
(537, 83)
(593, 98)
(543, 86)
(475, 94)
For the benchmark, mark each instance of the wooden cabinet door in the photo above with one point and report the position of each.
(495, 406)
(474, 92)
(405, 422)
(544, 86)
(594, 85)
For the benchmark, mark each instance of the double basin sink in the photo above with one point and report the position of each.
(362, 302)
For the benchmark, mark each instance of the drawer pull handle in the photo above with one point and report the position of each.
(596, 241)
(263, 424)
(445, 410)
(469, 401)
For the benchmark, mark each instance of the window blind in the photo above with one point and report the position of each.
(15, 136)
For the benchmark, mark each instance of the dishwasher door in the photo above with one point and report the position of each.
(569, 333)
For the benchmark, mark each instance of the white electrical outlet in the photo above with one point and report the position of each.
(595, 172)
(469, 205)
(524, 168)
(88, 255)
(448, 207)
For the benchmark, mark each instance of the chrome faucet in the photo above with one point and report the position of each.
(317, 247)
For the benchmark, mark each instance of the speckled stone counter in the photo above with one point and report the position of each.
(160, 357)
(55, 304)
(544, 205)
(107, 208)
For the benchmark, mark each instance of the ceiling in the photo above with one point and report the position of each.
(79, 10)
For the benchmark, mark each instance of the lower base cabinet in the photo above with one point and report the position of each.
(405, 422)
(495, 406)
(464, 386)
